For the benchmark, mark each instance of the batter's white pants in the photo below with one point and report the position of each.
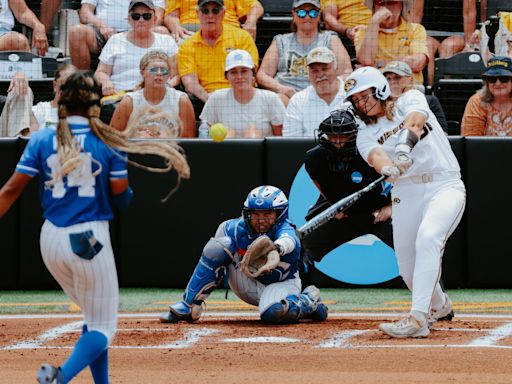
(91, 284)
(424, 216)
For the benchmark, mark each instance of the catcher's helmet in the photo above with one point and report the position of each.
(340, 122)
(365, 78)
(262, 198)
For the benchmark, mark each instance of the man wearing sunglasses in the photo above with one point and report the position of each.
(181, 16)
(99, 20)
(201, 58)
(390, 36)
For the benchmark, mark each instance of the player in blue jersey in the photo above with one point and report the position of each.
(80, 169)
(277, 293)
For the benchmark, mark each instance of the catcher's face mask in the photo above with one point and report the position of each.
(262, 221)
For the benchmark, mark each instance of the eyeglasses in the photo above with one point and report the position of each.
(381, 3)
(215, 10)
(313, 13)
(502, 79)
(158, 71)
(136, 16)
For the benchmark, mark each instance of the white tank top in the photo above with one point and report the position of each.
(6, 16)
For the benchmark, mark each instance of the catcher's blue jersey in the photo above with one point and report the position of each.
(79, 197)
(236, 229)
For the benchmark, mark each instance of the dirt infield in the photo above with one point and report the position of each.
(239, 349)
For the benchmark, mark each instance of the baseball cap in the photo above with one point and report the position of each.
(147, 3)
(238, 58)
(298, 3)
(200, 3)
(320, 55)
(401, 68)
(499, 66)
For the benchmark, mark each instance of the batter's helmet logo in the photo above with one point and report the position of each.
(350, 84)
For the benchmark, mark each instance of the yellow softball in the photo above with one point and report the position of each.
(218, 132)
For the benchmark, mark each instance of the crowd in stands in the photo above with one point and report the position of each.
(197, 61)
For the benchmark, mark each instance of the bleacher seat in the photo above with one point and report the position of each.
(276, 20)
(456, 79)
(495, 6)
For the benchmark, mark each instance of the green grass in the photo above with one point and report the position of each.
(355, 299)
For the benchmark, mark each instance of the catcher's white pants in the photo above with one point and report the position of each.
(255, 293)
(91, 284)
(424, 216)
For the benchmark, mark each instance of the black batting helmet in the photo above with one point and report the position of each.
(340, 122)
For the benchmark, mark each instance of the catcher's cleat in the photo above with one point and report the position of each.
(181, 311)
(321, 311)
(407, 327)
(48, 374)
(443, 314)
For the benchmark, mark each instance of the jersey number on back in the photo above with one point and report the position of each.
(80, 177)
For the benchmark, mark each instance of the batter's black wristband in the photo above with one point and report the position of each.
(408, 137)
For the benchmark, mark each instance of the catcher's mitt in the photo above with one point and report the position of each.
(261, 256)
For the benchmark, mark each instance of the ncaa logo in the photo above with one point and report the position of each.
(356, 177)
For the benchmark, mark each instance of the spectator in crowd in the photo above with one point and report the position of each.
(283, 69)
(100, 20)
(310, 106)
(245, 110)
(181, 16)
(399, 76)
(201, 58)
(154, 92)
(14, 41)
(49, 9)
(120, 58)
(345, 16)
(489, 111)
(389, 36)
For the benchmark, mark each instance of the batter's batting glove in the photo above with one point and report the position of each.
(392, 171)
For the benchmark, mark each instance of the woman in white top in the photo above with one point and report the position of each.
(245, 110)
(119, 59)
(155, 93)
(402, 139)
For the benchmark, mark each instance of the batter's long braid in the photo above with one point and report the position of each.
(81, 95)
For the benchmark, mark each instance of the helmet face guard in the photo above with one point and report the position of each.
(341, 122)
(265, 198)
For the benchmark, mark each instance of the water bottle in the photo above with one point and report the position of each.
(203, 131)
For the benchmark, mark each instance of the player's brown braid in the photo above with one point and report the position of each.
(81, 95)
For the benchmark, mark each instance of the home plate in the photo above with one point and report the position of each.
(261, 339)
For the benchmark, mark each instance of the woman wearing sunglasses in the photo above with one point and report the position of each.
(489, 111)
(120, 58)
(283, 69)
(154, 93)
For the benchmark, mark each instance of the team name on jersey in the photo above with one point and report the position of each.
(80, 139)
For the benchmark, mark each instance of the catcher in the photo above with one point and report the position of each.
(259, 252)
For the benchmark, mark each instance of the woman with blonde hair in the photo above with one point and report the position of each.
(82, 172)
(155, 96)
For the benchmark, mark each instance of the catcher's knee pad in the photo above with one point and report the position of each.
(216, 251)
(281, 313)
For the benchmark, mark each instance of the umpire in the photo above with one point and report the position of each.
(338, 170)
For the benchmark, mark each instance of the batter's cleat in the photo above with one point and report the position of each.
(407, 327)
(321, 310)
(182, 311)
(48, 374)
(443, 314)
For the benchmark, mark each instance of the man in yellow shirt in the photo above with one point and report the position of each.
(389, 36)
(201, 58)
(181, 16)
(345, 16)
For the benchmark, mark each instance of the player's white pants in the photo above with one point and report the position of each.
(91, 284)
(255, 293)
(424, 216)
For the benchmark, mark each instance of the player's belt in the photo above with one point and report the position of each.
(428, 178)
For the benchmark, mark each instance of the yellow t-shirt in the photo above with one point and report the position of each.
(235, 9)
(350, 12)
(195, 56)
(407, 39)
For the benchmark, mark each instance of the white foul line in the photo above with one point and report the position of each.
(261, 339)
(340, 340)
(494, 336)
(51, 334)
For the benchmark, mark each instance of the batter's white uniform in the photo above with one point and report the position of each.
(428, 200)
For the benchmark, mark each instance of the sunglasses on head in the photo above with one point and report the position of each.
(206, 11)
(380, 3)
(159, 70)
(136, 16)
(313, 13)
(502, 79)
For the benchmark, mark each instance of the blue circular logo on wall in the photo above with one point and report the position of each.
(365, 260)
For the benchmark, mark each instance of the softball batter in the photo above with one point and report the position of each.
(78, 173)
(402, 139)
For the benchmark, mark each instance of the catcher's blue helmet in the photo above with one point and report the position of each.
(266, 197)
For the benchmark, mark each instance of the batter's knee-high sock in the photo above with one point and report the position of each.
(99, 367)
(87, 349)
